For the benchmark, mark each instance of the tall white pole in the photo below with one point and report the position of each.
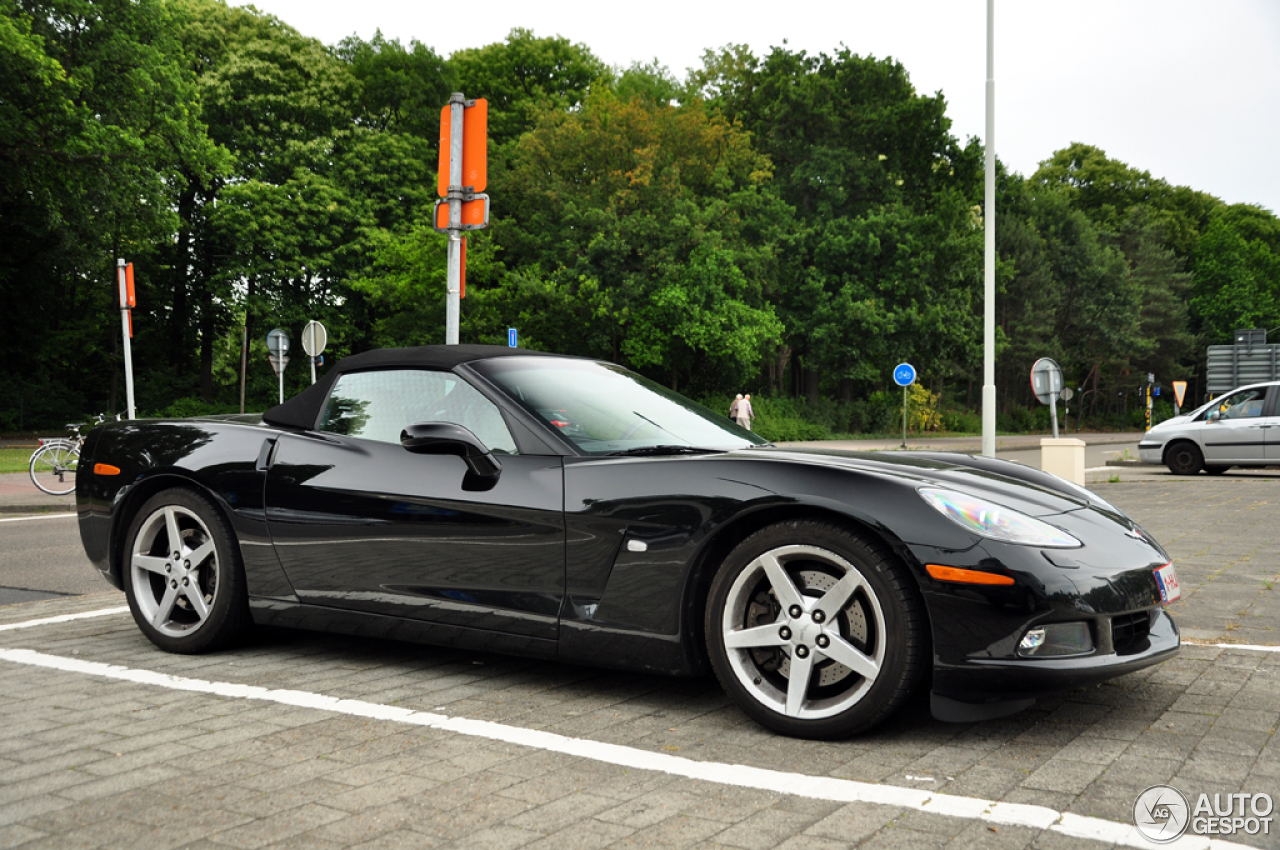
(457, 105)
(989, 230)
(124, 330)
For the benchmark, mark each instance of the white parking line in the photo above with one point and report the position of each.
(742, 776)
(63, 618)
(42, 516)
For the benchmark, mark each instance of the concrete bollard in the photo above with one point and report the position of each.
(1063, 457)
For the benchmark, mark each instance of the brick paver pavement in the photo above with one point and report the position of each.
(90, 761)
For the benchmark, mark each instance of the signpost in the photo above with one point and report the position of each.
(1046, 383)
(1151, 380)
(124, 277)
(1067, 395)
(462, 178)
(904, 375)
(314, 339)
(278, 354)
(1179, 392)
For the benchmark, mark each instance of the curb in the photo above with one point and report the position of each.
(37, 509)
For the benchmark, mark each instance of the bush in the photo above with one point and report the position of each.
(962, 420)
(184, 407)
(884, 412)
(38, 405)
(922, 409)
(786, 419)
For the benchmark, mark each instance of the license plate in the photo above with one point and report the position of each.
(1167, 579)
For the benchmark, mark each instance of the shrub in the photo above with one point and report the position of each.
(190, 406)
(922, 409)
(961, 420)
(786, 419)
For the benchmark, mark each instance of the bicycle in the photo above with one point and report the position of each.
(53, 465)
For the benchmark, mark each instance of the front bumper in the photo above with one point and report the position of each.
(1151, 452)
(997, 680)
(1108, 584)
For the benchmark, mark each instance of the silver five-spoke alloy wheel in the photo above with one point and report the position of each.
(804, 632)
(173, 568)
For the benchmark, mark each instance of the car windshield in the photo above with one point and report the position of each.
(604, 409)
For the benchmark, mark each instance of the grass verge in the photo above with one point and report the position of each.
(14, 460)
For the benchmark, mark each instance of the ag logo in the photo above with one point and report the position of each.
(1161, 814)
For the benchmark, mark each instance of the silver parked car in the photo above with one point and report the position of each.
(1241, 428)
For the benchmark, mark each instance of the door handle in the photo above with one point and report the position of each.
(264, 455)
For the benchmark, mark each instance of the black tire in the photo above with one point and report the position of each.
(195, 600)
(1216, 470)
(1184, 458)
(878, 628)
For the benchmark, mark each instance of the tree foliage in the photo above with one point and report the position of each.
(793, 221)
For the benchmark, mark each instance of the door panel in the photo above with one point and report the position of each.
(367, 525)
(1271, 424)
(1238, 440)
(1239, 435)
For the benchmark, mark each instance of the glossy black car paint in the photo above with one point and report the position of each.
(354, 536)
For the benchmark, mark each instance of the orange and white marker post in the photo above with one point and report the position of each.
(124, 275)
(462, 179)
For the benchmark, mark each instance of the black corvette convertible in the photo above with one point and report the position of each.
(505, 500)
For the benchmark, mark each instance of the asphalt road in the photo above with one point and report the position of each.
(41, 558)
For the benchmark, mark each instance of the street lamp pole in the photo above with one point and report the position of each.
(989, 271)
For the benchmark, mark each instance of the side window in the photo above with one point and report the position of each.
(379, 405)
(1246, 404)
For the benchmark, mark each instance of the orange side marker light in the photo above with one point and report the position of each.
(955, 574)
(105, 469)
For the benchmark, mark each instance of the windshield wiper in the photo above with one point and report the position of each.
(666, 450)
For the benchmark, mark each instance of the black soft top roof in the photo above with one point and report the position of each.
(303, 410)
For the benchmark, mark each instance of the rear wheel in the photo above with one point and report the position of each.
(184, 579)
(814, 631)
(1184, 458)
(53, 468)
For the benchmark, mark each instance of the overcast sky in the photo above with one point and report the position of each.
(1189, 91)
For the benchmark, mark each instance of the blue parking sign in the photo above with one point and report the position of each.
(511, 338)
(904, 375)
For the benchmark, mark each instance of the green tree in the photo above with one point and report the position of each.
(1237, 275)
(96, 112)
(401, 88)
(1107, 190)
(525, 76)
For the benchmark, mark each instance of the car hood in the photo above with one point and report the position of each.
(1011, 484)
(1175, 422)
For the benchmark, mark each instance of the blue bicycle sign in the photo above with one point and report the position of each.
(904, 375)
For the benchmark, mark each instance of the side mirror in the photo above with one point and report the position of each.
(445, 438)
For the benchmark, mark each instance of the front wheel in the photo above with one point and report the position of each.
(53, 468)
(1184, 459)
(184, 577)
(815, 631)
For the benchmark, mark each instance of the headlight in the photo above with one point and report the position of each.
(996, 521)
